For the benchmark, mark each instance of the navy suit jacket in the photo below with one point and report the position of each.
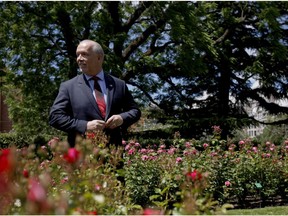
(75, 105)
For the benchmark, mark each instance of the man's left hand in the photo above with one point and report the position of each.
(114, 121)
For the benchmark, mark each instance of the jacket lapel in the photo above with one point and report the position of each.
(110, 85)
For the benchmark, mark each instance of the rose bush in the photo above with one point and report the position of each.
(187, 177)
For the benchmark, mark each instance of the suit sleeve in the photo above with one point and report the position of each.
(61, 114)
(131, 113)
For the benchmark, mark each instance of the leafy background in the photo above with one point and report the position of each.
(189, 64)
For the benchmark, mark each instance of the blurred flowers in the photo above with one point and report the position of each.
(5, 160)
(150, 211)
(72, 156)
(87, 179)
(195, 175)
(25, 173)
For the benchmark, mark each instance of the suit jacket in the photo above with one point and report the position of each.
(75, 105)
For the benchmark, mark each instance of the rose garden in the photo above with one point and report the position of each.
(206, 76)
(186, 177)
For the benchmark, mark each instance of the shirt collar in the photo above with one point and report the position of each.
(100, 75)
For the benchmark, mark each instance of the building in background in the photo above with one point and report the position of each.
(261, 115)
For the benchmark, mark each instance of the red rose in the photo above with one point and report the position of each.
(72, 155)
(5, 162)
(90, 135)
(25, 173)
(92, 213)
(195, 175)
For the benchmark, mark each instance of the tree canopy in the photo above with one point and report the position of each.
(192, 63)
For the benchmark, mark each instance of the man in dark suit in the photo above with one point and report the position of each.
(78, 108)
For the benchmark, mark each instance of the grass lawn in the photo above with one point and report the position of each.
(277, 210)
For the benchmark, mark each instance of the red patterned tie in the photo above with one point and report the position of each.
(99, 96)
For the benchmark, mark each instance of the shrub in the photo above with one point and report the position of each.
(12, 139)
(186, 177)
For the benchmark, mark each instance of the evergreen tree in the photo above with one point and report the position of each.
(172, 54)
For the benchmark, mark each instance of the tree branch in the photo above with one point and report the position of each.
(65, 24)
(223, 37)
(154, 49)
(138, 41)
(87, 19)
(137, 13)
(227, 31)
(144, 92)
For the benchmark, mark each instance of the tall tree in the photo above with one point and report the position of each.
(171, 53)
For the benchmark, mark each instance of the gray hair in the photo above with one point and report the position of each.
(96, 47)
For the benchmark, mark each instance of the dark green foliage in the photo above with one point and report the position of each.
(10, 139)
(18, 140)
(141, 180)
(193, 63)
(275, 134)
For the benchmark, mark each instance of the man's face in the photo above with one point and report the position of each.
(88, 61)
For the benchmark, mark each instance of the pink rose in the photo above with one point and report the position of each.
(179, 160)
(205, 145)
(36, 191)
(227, 183)
(241, 142)
(144, 157)
(149, 211)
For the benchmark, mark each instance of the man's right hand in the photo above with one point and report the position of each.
(96, 125)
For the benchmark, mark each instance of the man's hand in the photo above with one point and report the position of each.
(114, 121)
(95, 125)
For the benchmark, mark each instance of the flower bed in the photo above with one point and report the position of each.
(188, 177)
